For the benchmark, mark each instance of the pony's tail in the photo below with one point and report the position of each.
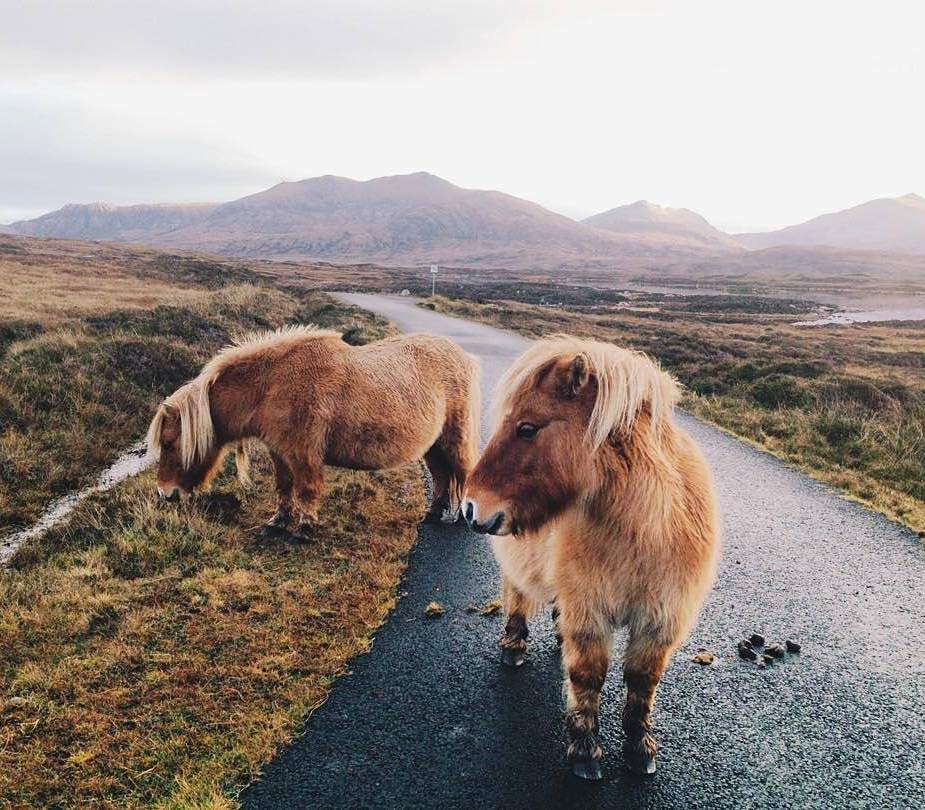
(242, 462)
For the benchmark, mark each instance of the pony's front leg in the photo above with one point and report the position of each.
(278, 525)
(586, 646)
(518, 607)
(308, 489)
(643, 665)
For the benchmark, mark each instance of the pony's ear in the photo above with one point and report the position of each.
(578, 375)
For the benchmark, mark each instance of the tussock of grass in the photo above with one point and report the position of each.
(155, 654)
(845, 404)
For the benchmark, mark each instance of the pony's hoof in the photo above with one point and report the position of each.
(642, 765)
(273, 531)
(589, 769)
(512, 658)
(303, 535)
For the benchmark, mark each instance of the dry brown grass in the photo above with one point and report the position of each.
(845, 404)
(153, 654)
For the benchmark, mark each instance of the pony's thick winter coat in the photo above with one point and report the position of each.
(604, 506)
(315, 400)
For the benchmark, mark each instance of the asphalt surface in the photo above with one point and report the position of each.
(431, 719)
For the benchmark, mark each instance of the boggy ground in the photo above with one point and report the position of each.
(155, 654)
(846, 404)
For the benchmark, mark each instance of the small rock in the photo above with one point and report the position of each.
(704, 657)
(767, 660)
(775, 650)
(756, 639)
(490, 608)
(433, 610)
(746, 651)
(792, 646)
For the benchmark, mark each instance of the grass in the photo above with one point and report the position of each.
(155, 654)
(159, 655)
(845, 404)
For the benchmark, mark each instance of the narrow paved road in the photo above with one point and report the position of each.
(430, 719)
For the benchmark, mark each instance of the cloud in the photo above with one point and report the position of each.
(52, 153)
(248, 38)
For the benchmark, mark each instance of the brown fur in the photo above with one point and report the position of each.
(609, 510)
(314, 400)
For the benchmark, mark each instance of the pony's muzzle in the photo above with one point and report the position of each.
(173, 495)
(493, 524)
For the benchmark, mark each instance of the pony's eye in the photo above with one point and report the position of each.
(525, 430)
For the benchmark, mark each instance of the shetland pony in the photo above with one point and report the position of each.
(600, 504)
(314, 400)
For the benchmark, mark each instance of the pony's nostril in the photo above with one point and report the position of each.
(470, 511)
(174, 496)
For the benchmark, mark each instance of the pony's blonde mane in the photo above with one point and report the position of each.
(197, 433)
(627, 382)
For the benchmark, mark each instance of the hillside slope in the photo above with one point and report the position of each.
(894, 224)
(643, 218)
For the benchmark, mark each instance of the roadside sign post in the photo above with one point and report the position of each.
(433, 280)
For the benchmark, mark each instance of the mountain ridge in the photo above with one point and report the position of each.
(420, 218)
(397, 219)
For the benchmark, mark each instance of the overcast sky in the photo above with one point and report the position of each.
(755, 114)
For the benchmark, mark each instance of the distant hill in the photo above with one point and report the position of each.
(895, 224)
(131, 223)
(400, 220)
(643, 219)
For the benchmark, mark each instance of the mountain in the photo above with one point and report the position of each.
(400, 220)
(895, 224)
(131, 223)
(643, 218)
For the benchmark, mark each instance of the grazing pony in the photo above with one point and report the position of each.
(603, 506)
(314, 400)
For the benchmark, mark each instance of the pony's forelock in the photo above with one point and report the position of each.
(153, 436)
(627, 382)
(197, 433)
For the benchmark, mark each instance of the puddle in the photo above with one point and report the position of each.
(870, 316)
(131, 462)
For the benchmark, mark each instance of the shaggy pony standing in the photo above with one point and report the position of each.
(600, 504)
(314, 400)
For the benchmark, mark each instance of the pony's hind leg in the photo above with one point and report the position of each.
(460, 446)
(586, 646)
(518, 607)
(439, 467)
(278, 525)
(308, 489)
(643, 664)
